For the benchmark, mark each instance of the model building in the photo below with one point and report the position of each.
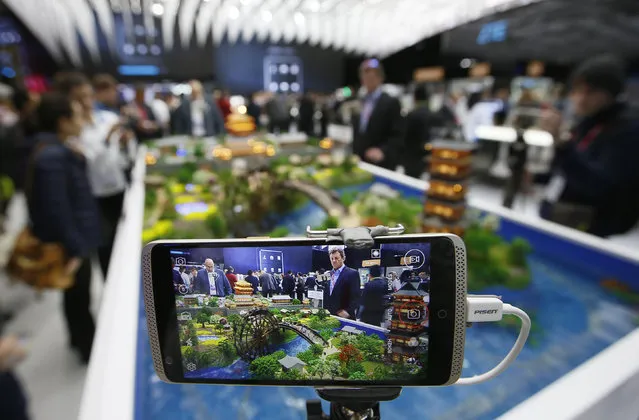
(445, 207)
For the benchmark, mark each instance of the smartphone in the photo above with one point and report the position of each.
(306, 312)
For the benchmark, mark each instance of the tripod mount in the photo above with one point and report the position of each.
(352, 403)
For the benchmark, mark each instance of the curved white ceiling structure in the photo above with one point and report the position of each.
(371, 27)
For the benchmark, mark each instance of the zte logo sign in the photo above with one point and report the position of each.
(485, 311)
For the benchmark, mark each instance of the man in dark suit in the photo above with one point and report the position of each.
(372, 309)
(377, 130)
(419, 124)
(253, 280)
(310, 282)
(288, 284)
(268, 284)
(342, 293)
(177, 277)
(212, 281)
(197, 116)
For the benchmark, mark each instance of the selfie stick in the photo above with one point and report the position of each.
(352, 403)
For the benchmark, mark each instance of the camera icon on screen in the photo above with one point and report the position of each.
(414, 314)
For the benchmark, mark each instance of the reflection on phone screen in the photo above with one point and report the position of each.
(300, 313)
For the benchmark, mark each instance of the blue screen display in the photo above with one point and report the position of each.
(493, 32)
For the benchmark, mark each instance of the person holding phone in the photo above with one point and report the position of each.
(342, 293)
(101, 140)
(63, 209)
(595, 178)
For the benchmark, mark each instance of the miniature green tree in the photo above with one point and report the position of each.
(331, 368)
(214, 303)
(371, 346)
(227, 349)
(317, 349)
(291, 375)
(216, 223)
(198, 150)
(330, 222)
(185, 174)
(265, 367)
(296, 302)
(327, 333)
(204, 316)
(357, 376)
(518, 252)
(279, 232)
(381, 373)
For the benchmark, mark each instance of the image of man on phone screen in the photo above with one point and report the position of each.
(212, 281)
(342, 293)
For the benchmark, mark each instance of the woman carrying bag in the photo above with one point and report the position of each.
(65, 221)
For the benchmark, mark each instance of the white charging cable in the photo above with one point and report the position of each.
(492, 309)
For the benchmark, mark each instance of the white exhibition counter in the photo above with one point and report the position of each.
(605, 384)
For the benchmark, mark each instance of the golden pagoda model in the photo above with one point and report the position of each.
(408, 330)
(240, 124)
(450, 168)
(243, 293)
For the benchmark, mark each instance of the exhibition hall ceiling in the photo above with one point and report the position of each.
(371, 27)
(559, 31)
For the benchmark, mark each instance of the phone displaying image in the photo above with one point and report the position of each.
(296, 311)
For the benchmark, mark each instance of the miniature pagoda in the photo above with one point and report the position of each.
(243, 293)
(409, 323)
(450, 168)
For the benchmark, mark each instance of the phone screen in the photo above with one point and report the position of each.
(303, 313)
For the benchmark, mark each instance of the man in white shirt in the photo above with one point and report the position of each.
(483, 113)
(161, 110)
(100, 142)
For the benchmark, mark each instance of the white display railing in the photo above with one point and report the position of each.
(592, 390)
(109, 389)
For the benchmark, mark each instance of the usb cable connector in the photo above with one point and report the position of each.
(484, 308)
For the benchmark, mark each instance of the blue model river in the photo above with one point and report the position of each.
(575, 319)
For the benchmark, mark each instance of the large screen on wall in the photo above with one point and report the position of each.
(140, 52)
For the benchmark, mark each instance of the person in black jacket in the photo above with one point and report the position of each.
(595, 179)
(377, 129)
(288, 284)
(62, 208)
(373, 309)
(419, 124)
(197, 116)
(253, 280)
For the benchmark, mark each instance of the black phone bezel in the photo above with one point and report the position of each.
(441, 328)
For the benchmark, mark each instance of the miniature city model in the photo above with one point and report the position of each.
(450, 167)
(408, 333)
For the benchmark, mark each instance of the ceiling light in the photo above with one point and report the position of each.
(273, 86)
(313, 5)
(465, 63)
(284, 87)
(234, 12)
(299, 18)
(157, 9)
(267, 16)
(295, 87)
